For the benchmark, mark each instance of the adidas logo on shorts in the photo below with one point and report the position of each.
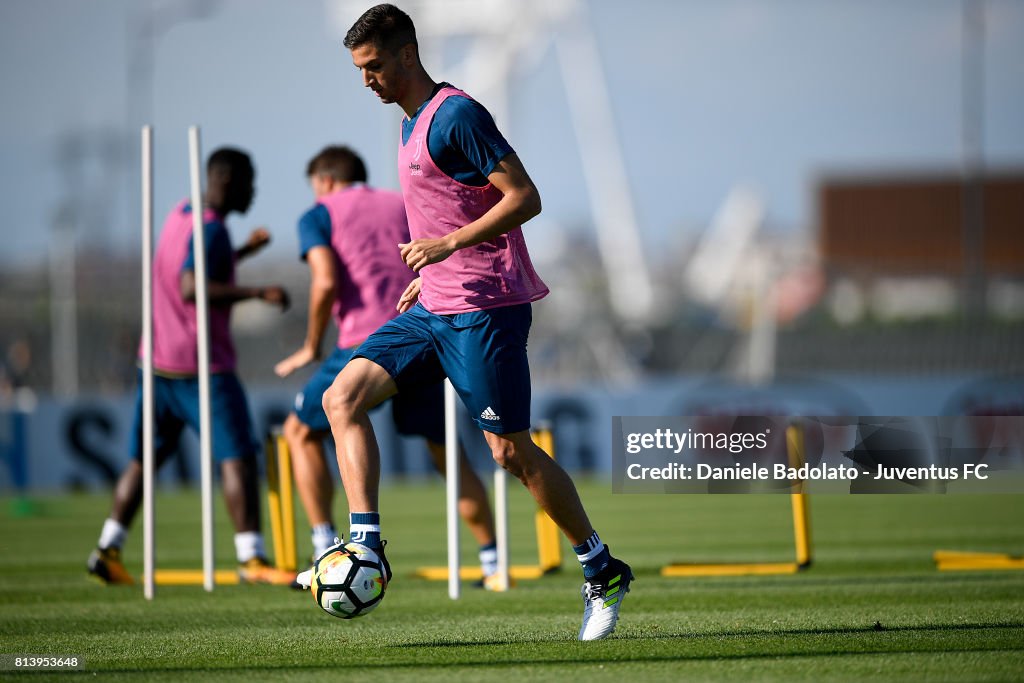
(489, 414)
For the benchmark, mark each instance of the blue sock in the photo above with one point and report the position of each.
(593, 555)
(364, 528)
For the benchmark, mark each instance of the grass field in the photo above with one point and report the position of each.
(872, 565)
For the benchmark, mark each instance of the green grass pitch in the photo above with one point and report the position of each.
(872, 566)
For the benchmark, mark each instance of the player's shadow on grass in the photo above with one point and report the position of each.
(874, 627)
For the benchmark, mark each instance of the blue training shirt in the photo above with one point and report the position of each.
(314, 230)
(463, 139)
(220, 255)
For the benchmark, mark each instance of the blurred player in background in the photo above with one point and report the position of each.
(468, 315)
(349, 240)
(230, 177)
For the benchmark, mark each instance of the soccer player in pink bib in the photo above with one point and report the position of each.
(467, 316)
(357, 275)
(229, 188)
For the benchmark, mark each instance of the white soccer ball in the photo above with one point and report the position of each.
(348, 581)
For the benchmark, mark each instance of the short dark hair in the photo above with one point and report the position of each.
(385, 26)
(338, 162)
(230, 159)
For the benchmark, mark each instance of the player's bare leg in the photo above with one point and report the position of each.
(360, 386)
(241, 493)
(607, 579)
(545, 479)
(474, 507)
(475, 510)
(240, 483)
(312, 478)
(128, 490)
(105, 563)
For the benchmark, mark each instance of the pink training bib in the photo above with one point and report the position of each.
(487, 275)
(174, 320)
(367, 225)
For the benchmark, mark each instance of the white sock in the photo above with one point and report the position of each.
(489, 560)
(113, 535)
(249, 544)
(323, 538)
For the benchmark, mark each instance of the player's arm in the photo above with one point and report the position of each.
(258, 238)
(519, 203)
(321, 299)
(219, 290)
(225, 294)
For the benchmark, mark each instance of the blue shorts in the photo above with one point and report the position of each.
(483, 353)
(419, 411)
(176, 404)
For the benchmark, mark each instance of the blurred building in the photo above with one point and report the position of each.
(935, 233)
(925, 272)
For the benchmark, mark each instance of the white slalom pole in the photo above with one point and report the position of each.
(451, 450)
(501, 525)
(203, 334)
(148, 465)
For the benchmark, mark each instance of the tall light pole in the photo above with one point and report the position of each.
(972, 117)
(63, 304)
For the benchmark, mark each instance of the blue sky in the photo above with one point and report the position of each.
(770, 93)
